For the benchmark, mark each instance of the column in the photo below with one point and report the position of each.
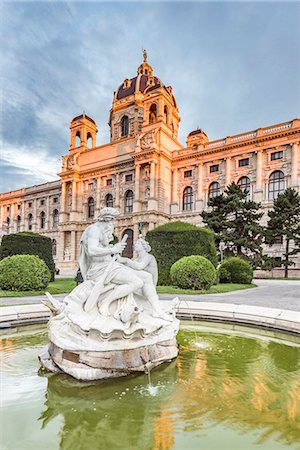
(294, 168)
(63, 197)
(73, 245)
(152, 202)
(23, 221)
(48, 218)
(136, 206)
(63, 201)
(174, 192)
(200, 182)
(1, 218)
(118, 191)
(61, 248)
(98, 195)
(74, 195)
(35, 220)
(259, 155)
(228, 171)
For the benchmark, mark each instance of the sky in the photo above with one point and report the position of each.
(233, 66)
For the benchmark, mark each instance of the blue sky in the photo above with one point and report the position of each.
(233, 67)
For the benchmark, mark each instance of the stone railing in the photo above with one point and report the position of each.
(277, 128)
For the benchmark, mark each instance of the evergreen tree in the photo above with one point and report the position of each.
(284, 222)
(235, 221)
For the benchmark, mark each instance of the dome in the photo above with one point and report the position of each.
(140, 83)
(198, 131)
(83, 116)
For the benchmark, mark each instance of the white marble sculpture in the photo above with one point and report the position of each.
(112, 324)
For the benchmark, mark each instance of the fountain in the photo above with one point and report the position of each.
(112, 324)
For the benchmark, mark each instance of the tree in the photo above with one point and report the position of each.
(235, 221)
(284, 222)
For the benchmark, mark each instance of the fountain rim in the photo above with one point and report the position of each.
(254, 316)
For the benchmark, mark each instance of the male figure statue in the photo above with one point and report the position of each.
(98, 262)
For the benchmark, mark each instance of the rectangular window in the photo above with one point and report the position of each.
(42, 202)
(91, 186)
(30, 204)
(7, 209)
(128, 178)
(55, 200)
(188, 173)
(109, 182)
(19, 207)
(214, 168)
(244, 162)
(276, 155)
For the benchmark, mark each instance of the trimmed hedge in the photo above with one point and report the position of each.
(235, 270)
(172, 241)
(193, 272)
(23, 273)
(29, 244)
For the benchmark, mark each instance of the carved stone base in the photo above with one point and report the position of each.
(96, 365)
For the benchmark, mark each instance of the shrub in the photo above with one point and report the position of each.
(235, 270)
(23, 273)
(193, 272)
(172, 241)
(29, 244)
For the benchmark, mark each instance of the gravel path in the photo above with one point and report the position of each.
(282, 294)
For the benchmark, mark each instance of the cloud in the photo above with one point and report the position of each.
(233, 68)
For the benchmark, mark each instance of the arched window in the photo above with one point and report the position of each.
(30, 221)
(54, 247)
(187, 199)
(245, 184)
(276, 184)
(109, 201)
(214, 190)
(128, 250)
(153, 113)
(55, 218)
(128, 202)
(166, 114)
(124, 126)
(42, 220)
(89, 140)
(18, 223)
(91, 207)
(78, 139)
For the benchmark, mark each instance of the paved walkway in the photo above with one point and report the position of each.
(281, 294)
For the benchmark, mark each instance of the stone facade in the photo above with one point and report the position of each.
(146, 173)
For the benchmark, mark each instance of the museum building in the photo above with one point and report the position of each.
(147, 174)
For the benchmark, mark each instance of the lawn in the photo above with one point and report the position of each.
(220, 288)
(65, 285)
(59, 286)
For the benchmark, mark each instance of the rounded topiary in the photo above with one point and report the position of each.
(193, 272)
(23, 273)
(28, 243)
(172, 241)
(235, 270)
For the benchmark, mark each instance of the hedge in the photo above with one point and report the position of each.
(29, 244)
(23, 273)
(235, 270)
(172, 241)
(193, 272)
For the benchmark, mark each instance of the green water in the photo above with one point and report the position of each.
(230, 388)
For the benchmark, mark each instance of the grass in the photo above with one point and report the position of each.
(65, 285)
(59, 286)
(220, 288)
